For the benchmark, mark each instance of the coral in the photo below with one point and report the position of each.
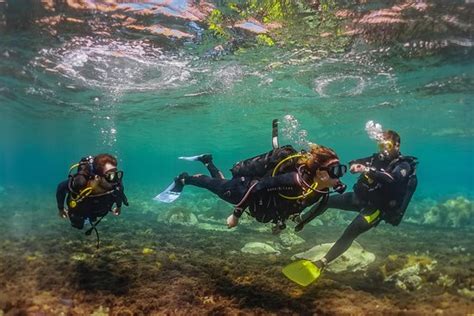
(467, 293)
(354, 259)
(417, 209)
(445, 280)
(458, 212)
(408, 272)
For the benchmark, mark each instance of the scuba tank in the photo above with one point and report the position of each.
(263, 164)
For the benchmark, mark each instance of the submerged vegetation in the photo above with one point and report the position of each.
(145, 266)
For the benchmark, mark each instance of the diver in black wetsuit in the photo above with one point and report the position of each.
(382, 192)
(92, 191)
(272, 186)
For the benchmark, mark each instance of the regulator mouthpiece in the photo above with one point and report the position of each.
(374, 130)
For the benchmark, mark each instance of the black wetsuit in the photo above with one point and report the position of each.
(376, 195)
(90, 207)
(264, 201)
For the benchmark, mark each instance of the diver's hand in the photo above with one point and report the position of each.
(63, 212)
(232, 221)
(116, 211)
(357, 168)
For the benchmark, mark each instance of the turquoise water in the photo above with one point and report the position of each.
(149, 106)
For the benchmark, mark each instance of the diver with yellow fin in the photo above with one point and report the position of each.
(91, 192)
(383, 191)
(273, 186)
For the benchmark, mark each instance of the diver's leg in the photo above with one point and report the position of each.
(213, 170)
(362, 223)
(346, 201)
(231, 191)
(206, 159)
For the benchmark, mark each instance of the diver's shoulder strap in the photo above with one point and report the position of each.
(411, 160)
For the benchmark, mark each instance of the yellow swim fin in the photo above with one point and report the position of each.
(302, 272)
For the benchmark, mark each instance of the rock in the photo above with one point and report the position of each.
(289, 239)
(183, 218)
(259, 248)
(354, 259)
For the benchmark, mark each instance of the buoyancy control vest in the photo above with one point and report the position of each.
(392, 199)
(85, 183)
(264, 164)
(397, 207)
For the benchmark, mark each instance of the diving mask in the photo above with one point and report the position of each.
(336, 171)
(113, 176)
(385, 146)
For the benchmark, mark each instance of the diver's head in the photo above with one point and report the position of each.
(323, 166)
(105, 166)
(388, 141)
(389, 145)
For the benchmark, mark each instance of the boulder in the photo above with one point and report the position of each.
(259, 248)
(354, 259)
(290, 239)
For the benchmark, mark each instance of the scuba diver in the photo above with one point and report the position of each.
(272, 186)
(91, 192)
(383, 191)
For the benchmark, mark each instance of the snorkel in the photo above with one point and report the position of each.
(375, 132)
